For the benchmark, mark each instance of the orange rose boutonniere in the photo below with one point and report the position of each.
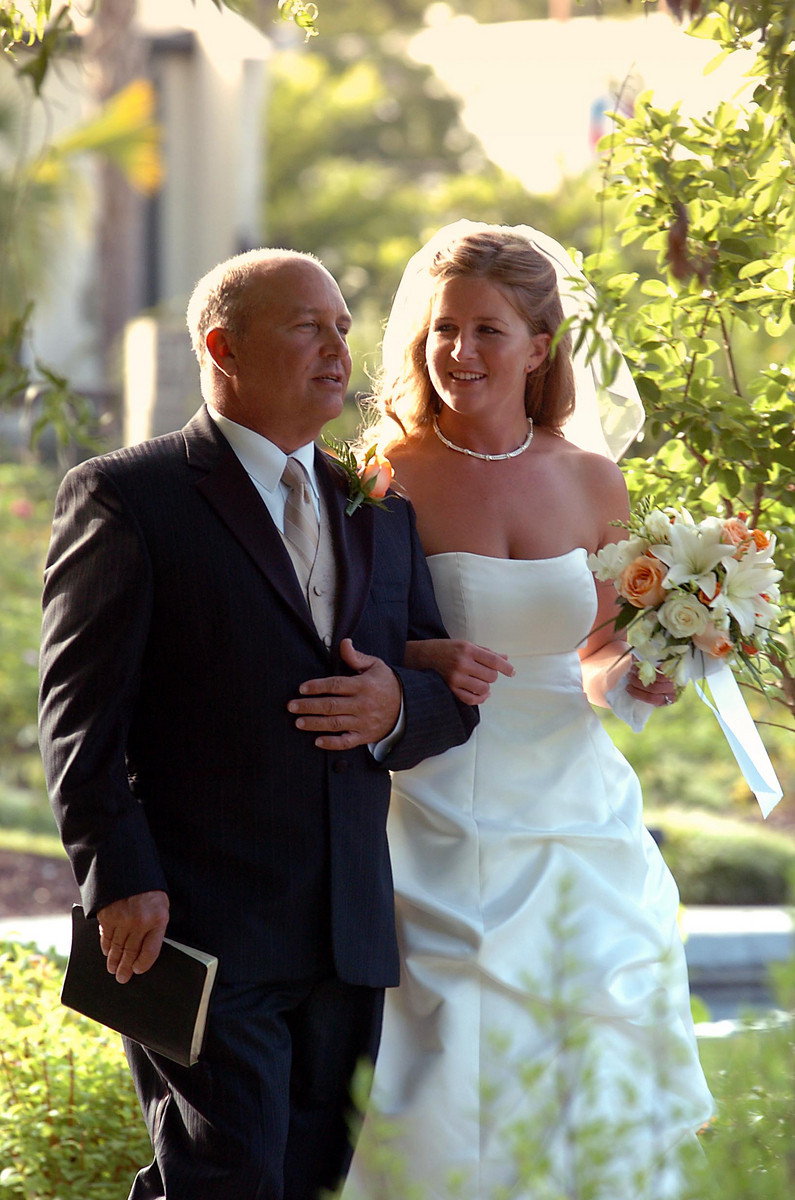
(368, 481)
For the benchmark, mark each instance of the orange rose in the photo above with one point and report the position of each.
(713, 641)
(761, 540)
(735, 532)
(379, 471)
(641, 581)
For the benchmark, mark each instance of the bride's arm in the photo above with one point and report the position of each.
(605, 657)
(467, 669)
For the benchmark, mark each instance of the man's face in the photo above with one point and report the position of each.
(288, 369)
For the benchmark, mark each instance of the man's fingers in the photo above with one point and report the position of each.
(131, 932)
(353, 657)
(149, 951)
(336, 685)
(135, 957)
(328, 724)
(121, 958)
(343, 741)
(323, 706)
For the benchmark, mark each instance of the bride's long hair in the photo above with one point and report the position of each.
(402, 406)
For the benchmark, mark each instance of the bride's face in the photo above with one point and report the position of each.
(479, 348)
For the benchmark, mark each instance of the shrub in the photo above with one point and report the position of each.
(71, 1124)
(719, 861)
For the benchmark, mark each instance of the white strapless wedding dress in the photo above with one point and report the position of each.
(543, 1021)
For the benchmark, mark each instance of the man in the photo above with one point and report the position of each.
(215, 697)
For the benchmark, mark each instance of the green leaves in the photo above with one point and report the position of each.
(71, 1124)
(709, 335)
(29, 26)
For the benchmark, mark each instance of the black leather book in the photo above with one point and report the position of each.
(165, 1009)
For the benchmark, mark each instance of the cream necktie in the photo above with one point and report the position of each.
(301, 527)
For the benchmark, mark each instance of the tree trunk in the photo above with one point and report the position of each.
(115, 55)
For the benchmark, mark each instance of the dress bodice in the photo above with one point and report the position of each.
(515, 606)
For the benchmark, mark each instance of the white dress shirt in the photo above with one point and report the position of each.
(264, 464)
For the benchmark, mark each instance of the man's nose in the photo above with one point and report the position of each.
(335, 343)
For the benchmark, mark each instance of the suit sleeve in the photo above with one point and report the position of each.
(434, 719)
(96, 605)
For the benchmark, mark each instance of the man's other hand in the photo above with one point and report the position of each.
(350, 710)
(131, 933)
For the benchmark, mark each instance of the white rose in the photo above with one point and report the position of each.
(683, 615)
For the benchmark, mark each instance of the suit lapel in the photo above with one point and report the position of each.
(226, 486)
(353, 539)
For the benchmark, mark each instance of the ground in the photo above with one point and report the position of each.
(33, 885)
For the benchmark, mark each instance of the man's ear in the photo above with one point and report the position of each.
(220, 348)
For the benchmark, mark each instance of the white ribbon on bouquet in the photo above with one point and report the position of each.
(732, 715)
(738, 728)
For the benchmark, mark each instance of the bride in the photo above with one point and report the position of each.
(540, 1042)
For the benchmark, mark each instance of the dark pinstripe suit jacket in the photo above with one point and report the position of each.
(174, 635)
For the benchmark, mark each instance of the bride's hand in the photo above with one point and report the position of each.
(660, 691)
(467, 669)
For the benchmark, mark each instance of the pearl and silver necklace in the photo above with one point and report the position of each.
(485, 457)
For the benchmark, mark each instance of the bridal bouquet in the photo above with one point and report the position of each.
(686, 586)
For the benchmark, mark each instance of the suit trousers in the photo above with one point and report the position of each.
(265, 1114)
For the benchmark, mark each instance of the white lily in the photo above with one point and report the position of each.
(692, 556)
(748, 589)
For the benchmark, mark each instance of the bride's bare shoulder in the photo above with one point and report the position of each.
(594, 469)
(410, 461)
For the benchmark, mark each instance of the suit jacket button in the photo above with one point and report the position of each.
(318, 590)
(341, 765)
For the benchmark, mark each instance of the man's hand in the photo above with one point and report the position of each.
(466, 668)
(131, 933)
(350, 710)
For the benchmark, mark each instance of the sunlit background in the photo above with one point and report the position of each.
(355, 144)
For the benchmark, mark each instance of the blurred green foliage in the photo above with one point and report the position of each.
(71, 1124)
(748, 1147)
(26, 499)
